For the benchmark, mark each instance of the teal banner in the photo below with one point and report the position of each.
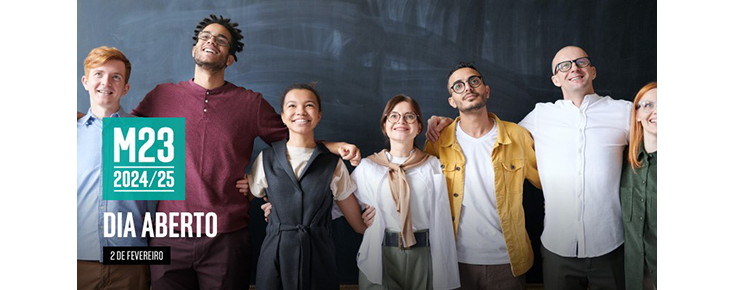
(143, 159)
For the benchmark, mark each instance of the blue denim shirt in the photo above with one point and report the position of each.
(90, 206)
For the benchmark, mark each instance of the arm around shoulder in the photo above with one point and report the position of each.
(529, 121)
(529, 151)
(256, 178)
(430, 147)
(270, 126)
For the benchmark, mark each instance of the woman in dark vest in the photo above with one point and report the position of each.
(301, 179)
(638, 192)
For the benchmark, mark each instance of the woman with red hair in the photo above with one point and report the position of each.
(638, 192)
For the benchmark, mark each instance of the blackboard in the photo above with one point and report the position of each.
(364, 52)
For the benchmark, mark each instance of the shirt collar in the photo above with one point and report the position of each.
(502, 134)
(90, 118)
(642, 153)
(587, 101)
(448, 136)
(199, 89)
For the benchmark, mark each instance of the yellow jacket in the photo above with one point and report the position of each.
(514, 159)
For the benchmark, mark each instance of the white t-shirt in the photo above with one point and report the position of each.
(480, 238)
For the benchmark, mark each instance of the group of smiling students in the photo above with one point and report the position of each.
(449, 217)
(409, 241)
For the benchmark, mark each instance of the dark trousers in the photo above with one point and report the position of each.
(95, 275)
(564, 273)
(490, 277)
(222, 262)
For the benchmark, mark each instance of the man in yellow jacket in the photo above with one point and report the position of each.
(485, 161)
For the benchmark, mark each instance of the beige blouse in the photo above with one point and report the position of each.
(342, 185)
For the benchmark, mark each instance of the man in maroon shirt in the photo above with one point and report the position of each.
(222, 121)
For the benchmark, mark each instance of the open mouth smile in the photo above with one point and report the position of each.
(105, 92)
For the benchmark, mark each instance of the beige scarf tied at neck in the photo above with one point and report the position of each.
(399, 188)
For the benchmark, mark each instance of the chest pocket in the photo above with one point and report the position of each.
(513, 174)
(451, 173)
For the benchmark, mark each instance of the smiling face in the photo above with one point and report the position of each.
(300, 111)
(208, 54)
(649, 121)
(470, 98)
(576, 80)
(106, 86)
(402, 131)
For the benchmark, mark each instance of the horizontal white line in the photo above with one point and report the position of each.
(143, 190)
(143, 167)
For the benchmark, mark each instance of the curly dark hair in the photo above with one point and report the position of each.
(235, 44)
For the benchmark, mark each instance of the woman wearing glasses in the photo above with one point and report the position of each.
(410, 244)
(638, 192)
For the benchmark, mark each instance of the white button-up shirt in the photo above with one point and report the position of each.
(580, 155)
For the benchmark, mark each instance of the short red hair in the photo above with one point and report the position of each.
(102, 54)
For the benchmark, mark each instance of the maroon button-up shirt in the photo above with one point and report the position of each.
(221, 125)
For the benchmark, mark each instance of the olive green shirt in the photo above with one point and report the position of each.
(638, 198)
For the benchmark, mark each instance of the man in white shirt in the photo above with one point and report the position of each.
(579, 148)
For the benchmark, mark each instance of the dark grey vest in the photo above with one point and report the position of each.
(298, 251)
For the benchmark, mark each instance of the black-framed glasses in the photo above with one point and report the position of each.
(646, 106)
(409, 117)
(474, 82)
(219, 40)
(563, 66)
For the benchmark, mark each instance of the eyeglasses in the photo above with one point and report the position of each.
(646, 106)
(474, 82)
(219, 40)
(395, 117)
(563, 66)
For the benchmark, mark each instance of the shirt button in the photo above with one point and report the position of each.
(641, 218)
(442, 166)
(207, 93)
(206, 101)
(205, 110)
(456, 195)
(512, 166)
(457, 168)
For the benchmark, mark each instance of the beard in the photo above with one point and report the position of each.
(212, 66)
(474, 107)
